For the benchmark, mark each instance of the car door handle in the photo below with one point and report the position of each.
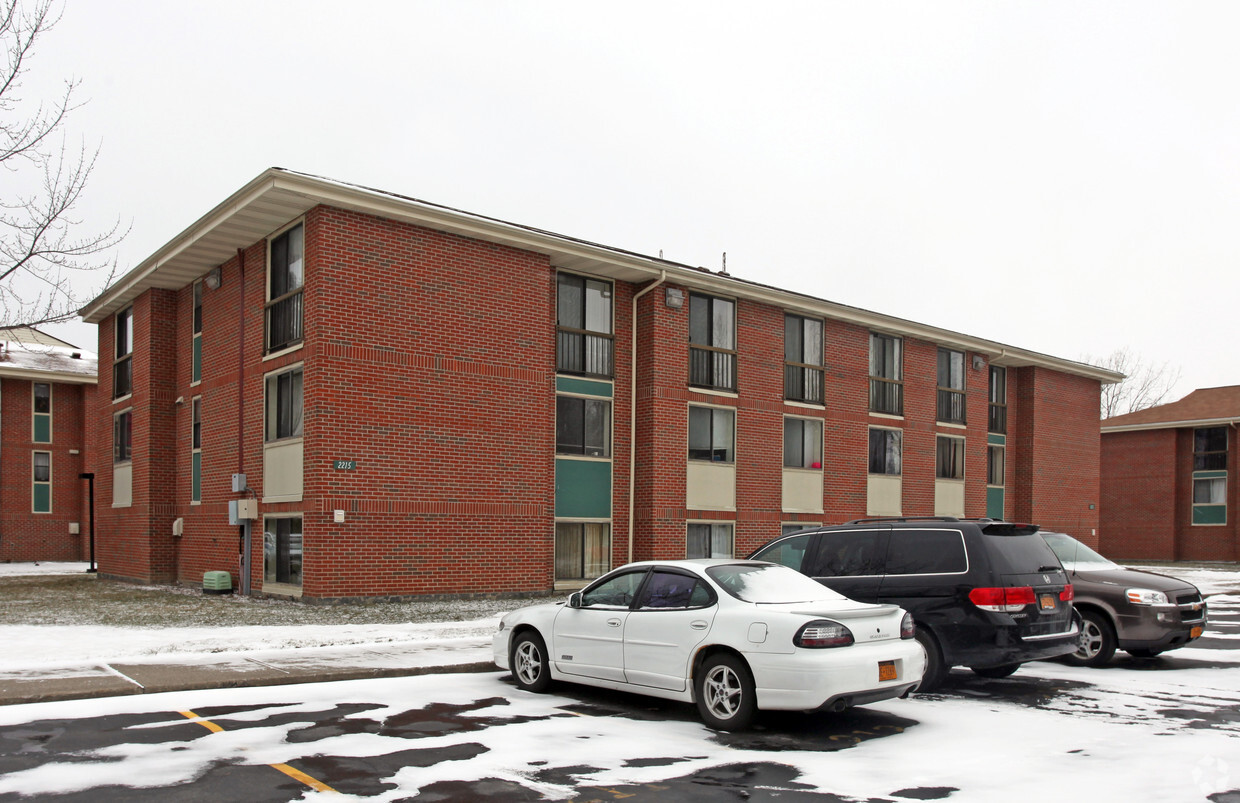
(613, 622)
(698, 624)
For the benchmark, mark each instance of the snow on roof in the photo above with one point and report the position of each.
(27, 353)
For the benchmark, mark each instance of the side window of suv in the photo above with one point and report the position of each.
(790, 551)
(926, 552)
(848, 554)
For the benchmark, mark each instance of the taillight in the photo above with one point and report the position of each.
(823, 633)
(1067, 595)
(1002, 600)
(907, 628)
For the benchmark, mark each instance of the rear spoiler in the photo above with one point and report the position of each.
(1009, 528)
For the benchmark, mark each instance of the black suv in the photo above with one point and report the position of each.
(985, 594)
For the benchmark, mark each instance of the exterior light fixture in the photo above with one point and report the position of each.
(213, 279)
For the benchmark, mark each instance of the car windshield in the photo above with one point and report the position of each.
(1075, 555)
(769, 584)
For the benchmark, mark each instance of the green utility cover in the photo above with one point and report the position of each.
(216, 582)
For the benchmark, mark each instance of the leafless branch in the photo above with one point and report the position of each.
(1144, 385)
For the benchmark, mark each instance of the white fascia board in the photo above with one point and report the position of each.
(1203, 422)
(57, 377)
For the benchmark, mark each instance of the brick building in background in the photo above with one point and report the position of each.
(427, 401)
(47, 388)
(1169, 486)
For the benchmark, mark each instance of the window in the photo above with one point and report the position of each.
(951, 397)
(42, 406)
(282, 550)
(196, 357)
(285, 275)
(949, 458)
(583, 326)
(712, 434)
(886, 375)
(803, 359)
(284, 405)
(196, 449)
(802, 443)
(848, 554)
(927, 552)
(122, 367)
(994, 465)
(41, 486)
(885, 450)
(709, 541)
(122, 437)
(616, 592)
(789, 552)
(582, 426)
(712, 339)
(998, 400)
(672, 591)
(1210, 449)
(582, 550)
(1210, 491)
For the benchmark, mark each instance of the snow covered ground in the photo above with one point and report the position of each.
(1163, 730)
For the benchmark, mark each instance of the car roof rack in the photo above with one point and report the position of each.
(881, 519)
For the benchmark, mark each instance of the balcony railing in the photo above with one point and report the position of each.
(886, 396)
(951, 406)
(709, 368)
(284, 322)
(579, 352)
(803, 384)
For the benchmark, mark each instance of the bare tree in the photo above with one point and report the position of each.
(1143, 386)
(44, 250)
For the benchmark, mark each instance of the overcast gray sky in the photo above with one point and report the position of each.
(1061, 176)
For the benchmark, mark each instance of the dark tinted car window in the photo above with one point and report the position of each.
(847, 554)
(670, 590)
(1021, 554)
(789, 552)
(926, 552)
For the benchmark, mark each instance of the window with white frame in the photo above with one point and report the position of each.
(583, 326)
(886, 374)
(41, 404)
(582, 426)
(41, 485)
(709, 541)
(282, 550)
(122, 437)
(196, 449)
(949, 457)
(1210, 449)
(802, 442)
(995, 456)
(582, 550)
(951, 389)
(712, 342)
(285, 277)
(284, 405)
(998, 400)
(803, 359)
(712, 434)
(886, 450)
(196, 345)
(122, 365)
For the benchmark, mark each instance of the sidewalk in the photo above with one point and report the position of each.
(236, 670)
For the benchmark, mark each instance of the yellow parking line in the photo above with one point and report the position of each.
(292, 772)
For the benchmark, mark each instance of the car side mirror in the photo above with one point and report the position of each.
(574, 600)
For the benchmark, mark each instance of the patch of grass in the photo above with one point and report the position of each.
(84, 599)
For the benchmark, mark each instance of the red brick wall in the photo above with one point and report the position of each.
(1138, 480)
(28, 536)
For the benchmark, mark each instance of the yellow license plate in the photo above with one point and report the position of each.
(1196, 631)
(1047, 602)
(887, 670)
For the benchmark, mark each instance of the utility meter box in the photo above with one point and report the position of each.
(216, 583)
(238, 483)
(240, 510)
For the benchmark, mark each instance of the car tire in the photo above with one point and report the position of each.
(529, 662)
(724, 691)
(936, 670)
(1139, 653)
(995, 672)
(1097, 641)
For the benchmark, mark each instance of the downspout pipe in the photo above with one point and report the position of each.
(633, 407)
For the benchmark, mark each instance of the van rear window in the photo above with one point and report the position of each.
(1021, 554)
(926, 552)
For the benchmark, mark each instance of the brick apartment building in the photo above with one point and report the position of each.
(47, 386)
(427, 401)
(1169, 491)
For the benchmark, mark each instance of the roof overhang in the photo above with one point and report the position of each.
(1201, 422)
(36, 375)
(277, 196)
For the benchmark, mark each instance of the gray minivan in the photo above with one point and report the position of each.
(1141, 613)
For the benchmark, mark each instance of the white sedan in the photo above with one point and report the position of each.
(732, 636)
